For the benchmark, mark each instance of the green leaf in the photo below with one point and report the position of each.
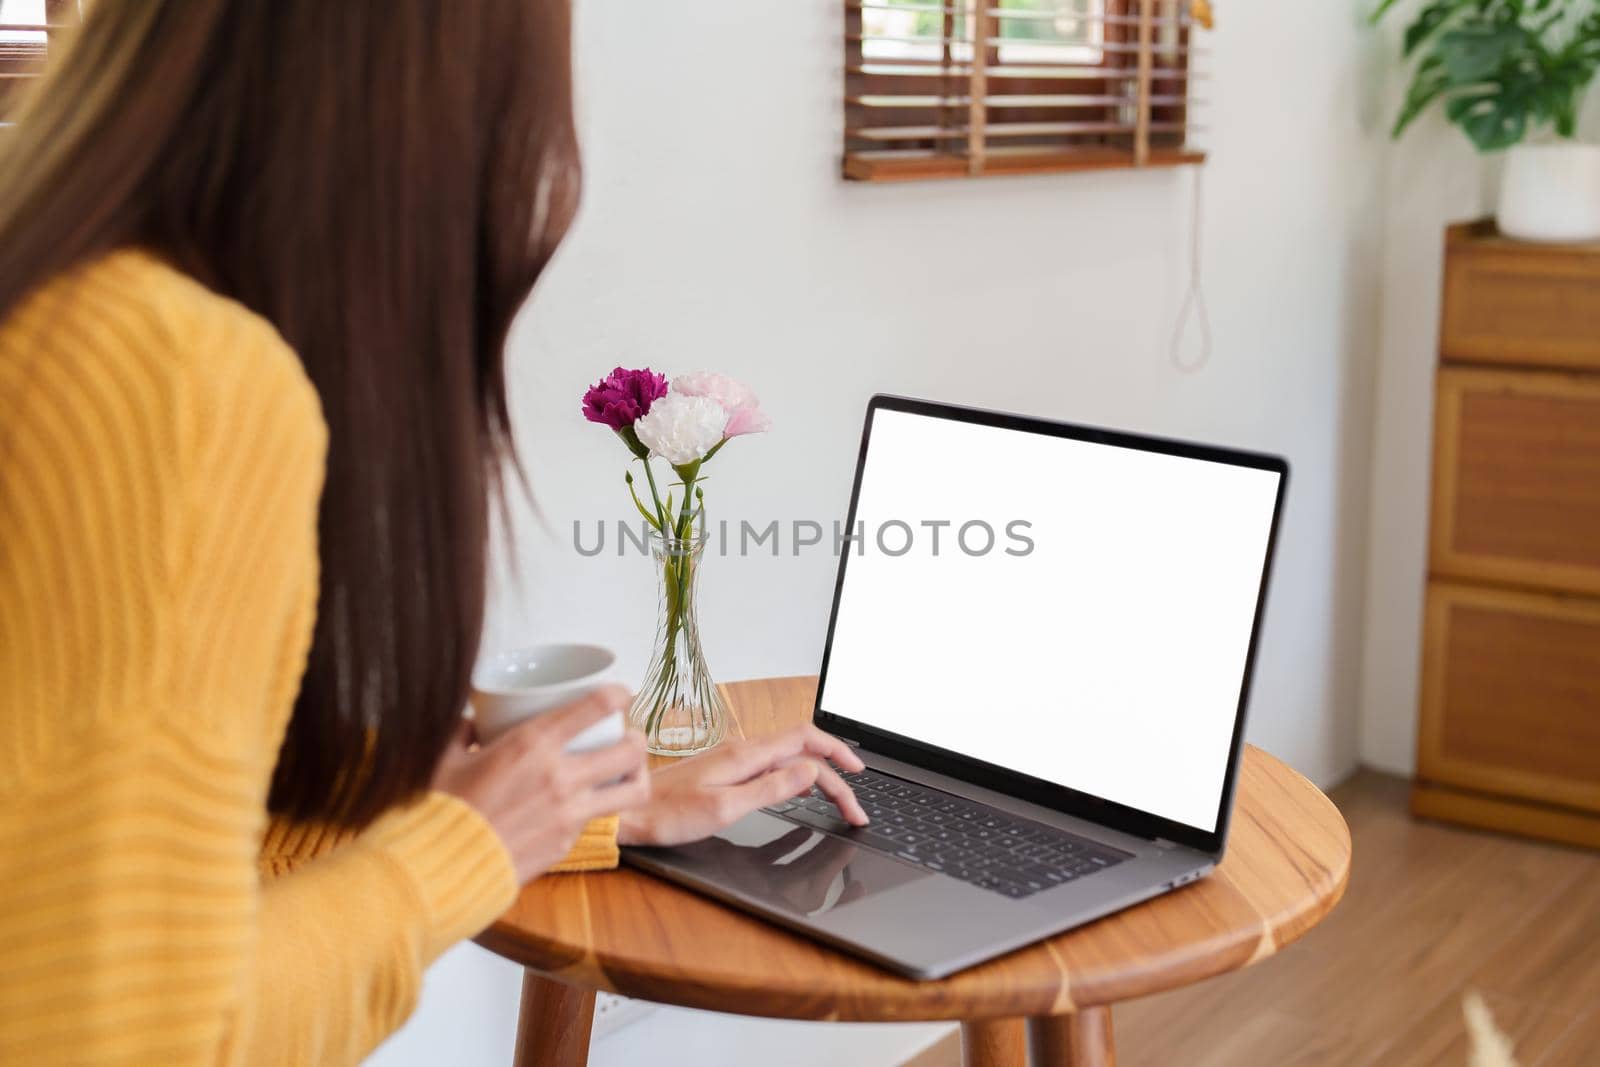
(1493, 120)
(1431, 18)
(1588, 29)
(1382, 10)
(1426, 86)
(1476, 53)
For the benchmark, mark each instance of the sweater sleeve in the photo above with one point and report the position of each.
(433, 859)
(157, 591)
(346, 937)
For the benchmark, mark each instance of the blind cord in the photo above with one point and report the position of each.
(1194, 300)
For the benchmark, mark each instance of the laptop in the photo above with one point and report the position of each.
(1040, 646)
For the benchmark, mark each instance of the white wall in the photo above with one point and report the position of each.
(716, 234)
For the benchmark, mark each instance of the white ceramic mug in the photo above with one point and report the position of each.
(510, 686)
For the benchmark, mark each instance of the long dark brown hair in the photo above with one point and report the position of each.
(384, 181)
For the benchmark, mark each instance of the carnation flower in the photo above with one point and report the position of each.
(680, 428)
(737, 399)
(620, 398)
(747, 420)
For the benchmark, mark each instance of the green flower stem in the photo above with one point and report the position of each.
(661, 513)
(688, 472)
(653, 520)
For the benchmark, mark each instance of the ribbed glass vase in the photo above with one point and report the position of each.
(678, 706)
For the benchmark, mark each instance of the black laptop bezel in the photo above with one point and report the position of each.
(1026, 787)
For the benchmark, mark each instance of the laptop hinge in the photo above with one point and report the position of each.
(1162, 842)
(852, 744)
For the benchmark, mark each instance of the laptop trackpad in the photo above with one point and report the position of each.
(788, 867)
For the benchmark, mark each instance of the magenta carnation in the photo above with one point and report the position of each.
(621, 397)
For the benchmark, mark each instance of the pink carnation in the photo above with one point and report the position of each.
(737, 399)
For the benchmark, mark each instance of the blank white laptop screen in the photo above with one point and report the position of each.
(1100, 646)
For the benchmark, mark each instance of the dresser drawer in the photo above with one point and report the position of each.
(1516, 481)
(1520, 304)
(1511, 694)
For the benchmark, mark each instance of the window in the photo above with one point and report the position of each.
(26, 27)
(1040, 32)
(970, 87)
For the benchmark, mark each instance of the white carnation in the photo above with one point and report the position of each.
(680, 429)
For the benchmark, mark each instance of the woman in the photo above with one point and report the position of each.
(257, 266)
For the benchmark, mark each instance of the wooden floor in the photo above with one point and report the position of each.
(1431, 912)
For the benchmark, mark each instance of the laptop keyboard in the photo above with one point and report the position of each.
(981, 846)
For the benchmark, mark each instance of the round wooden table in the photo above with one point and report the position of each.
(627, 932)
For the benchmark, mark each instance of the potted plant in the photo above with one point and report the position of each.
(1511, 74)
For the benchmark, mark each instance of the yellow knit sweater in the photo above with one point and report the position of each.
(161, 455)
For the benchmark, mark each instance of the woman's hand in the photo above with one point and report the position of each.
(696, 797)
(536, 796)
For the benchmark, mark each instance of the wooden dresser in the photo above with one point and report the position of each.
(1509, 734)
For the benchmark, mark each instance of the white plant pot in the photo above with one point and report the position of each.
(1551, 192)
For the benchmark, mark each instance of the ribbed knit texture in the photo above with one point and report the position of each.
(161, 455)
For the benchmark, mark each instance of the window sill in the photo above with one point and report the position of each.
(919, 166)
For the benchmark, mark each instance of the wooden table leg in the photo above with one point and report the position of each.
(1079, 1040)
(994, 1043)
(554, 1023)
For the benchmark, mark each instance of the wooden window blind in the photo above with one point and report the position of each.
(27, 28)
(957, 88)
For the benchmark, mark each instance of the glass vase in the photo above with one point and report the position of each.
(678, 706)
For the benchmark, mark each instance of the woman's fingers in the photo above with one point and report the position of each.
(747, 760)
(750, 758)
(831, 748)
(806, 745)
(623, 759)
(779, 783)
(570, 720)
(631, 792)
(698, 797)
(838, 790)
(724, 764)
